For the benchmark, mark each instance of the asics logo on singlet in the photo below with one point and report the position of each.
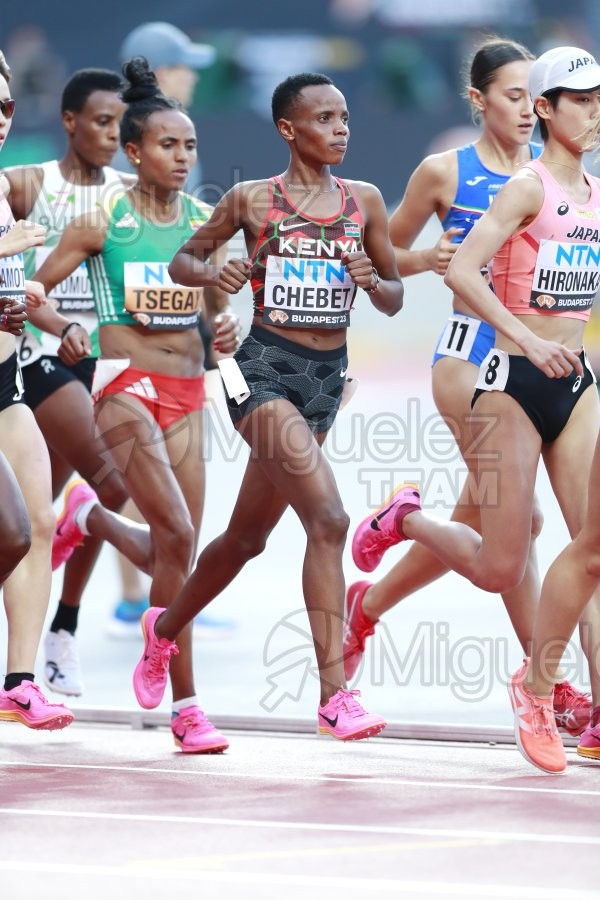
(473, 181)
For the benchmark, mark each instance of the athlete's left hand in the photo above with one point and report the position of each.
(13, 316)
(359, 268)
(226, 329)
(35, 293)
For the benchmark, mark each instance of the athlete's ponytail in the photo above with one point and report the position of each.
(143, 97)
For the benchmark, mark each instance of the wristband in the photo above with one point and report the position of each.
(65, 330)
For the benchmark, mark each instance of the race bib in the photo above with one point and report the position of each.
(566, 276)
(459, 336)
(29, 348)
(154, 300)
(73, 296)
(493, 371)
(307, 293)
(12, 278)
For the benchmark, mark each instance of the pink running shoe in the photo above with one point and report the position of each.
(357, 627)
(344, 718)
(151, 673)
(67, 534)
(535, 730)
(27, 704)
(572, 709)
(379, 531)
(193, 733)
(589, 745)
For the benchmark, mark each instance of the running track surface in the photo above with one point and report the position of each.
(100, 812)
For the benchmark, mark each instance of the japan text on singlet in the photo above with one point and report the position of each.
(552, 267)
(298, 280)
(130, 276)
(59, 201)
(12, 271)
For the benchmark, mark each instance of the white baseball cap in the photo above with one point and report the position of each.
(165, 45)
(569, 68)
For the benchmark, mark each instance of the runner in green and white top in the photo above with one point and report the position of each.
(148, 387)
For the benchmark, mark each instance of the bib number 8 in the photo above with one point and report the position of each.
(493, 372)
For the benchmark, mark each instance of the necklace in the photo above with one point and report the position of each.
(301, 187)
(551, 162)
(167, 205)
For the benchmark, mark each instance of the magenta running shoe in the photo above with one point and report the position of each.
(572, 708)
(589, 744)
(67, 535)
(193, 733)
(26, 704)
(357, 627)
(151, 673)
(379, 531)
(344, 718)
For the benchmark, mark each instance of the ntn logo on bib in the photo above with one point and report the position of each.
(156, 301)
(566, 276)
(307, 293)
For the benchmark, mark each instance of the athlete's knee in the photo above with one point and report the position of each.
(112, 493)
(537, 521)
(501, 576)
(43, 520)
(592, 560)
(329, 524)
(16, 543)
(250, 544)
(174, 540)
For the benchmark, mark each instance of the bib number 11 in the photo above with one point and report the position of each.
(459, 336)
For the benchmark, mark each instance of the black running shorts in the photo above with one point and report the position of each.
(276, 368)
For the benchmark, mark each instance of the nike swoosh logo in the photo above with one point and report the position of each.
(28, 704)
(55, 672)
(283, 227)
(343, 372)
(473, 181)
(332, 722)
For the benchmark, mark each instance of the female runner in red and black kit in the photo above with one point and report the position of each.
(305, 231)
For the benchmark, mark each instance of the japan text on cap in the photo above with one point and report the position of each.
(569, 68)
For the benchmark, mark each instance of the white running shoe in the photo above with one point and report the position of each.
(62, 668)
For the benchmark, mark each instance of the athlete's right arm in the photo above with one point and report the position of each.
(83, 237)
(430, 191)
(189, 266)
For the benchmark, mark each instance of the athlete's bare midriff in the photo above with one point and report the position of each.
(317, 339)
(177, 353)
(563, 330)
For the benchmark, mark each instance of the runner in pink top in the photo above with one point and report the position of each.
(535, 395)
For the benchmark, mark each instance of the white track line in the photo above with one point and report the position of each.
(367, 886)
(346, 779)
(479, 834)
